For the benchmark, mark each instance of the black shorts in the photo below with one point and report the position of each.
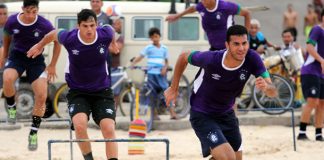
(313, 86)
(33, 67)
(213, 131)
(100, 104)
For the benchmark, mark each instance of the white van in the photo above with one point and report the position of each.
(139, 17)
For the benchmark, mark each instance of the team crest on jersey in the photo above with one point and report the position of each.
(202, 14)
(36, 33)
(101, 48)
(243, 75)
(218, 15)
(15, 31)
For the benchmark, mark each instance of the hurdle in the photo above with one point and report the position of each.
(279, 109)
(52, 120)
(166, 141)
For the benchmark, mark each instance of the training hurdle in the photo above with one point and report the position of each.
(52, 120)
(166, 141)
(279, 109)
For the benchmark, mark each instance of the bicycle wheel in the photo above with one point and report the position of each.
(182, 105)
(245, 100)
(60, 103)
(126, 101)
(284, 99)
(146, 109)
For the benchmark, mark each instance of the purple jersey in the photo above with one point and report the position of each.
(216, 86)
(87, 67)
(26, 35)
(311, 66)
(215, 22)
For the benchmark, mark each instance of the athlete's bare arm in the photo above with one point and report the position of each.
(247, 17)
(38, 48)
(175, 17)
(5, 53)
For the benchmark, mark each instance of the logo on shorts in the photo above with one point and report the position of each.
(313, 91)
(7, 63)
(71, 108)
(110, 111)
(212, 136)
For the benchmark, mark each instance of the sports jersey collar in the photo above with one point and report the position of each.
(227, 68)
(216, 6)
(24, 24)
(79, 37)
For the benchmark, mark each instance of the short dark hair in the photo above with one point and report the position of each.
(153, 31)
(85, 14)
(322, 14)
(235, 30)
(288, 30)
(3, 6)
(30, 3)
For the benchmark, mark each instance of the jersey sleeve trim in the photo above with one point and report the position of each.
(190, 56)
(265, 74)
(312, 42)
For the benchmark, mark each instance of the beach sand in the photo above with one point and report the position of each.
(259, 142)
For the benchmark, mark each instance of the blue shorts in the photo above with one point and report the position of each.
(158, 82)
(114, 79)
(33, 67)
(213, 131)
(313, 86)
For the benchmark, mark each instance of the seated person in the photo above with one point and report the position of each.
(256, 39)
(289, 43)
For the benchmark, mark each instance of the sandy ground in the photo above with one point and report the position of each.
(260, 142)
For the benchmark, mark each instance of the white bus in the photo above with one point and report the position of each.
(138, 17)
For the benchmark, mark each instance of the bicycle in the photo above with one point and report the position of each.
(289, 61)
(151, 99)
(126, 95)
(282, 66)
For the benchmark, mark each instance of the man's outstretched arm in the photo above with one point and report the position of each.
(38, 48)
(172, 92)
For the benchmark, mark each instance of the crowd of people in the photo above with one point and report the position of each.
(234, 56)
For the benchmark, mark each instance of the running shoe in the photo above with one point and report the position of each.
(12, 112)
(302, 137)
(32, 142)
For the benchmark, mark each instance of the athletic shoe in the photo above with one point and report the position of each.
(32, 142)
(319, 138)
(302, 137)
(12, 112)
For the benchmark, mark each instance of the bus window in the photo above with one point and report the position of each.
(186, 28)
(141, 26)
(67, 23)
